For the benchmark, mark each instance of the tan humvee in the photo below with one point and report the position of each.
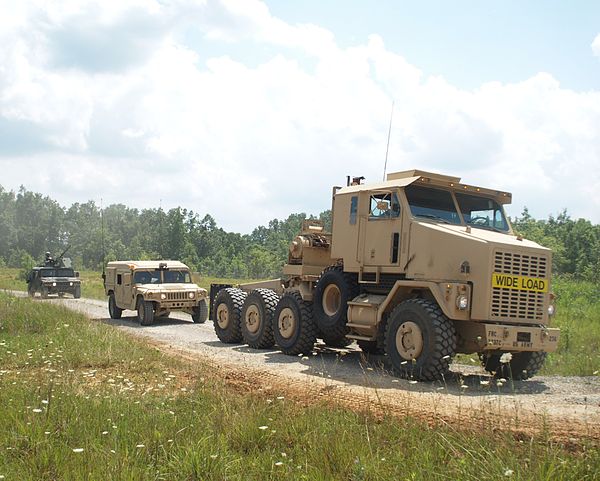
(418, 267)
(154, 289)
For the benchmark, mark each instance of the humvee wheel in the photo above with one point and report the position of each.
(294, 330)
(523, 365)
(332, 292)
(77, 293)
(227, 314)
(200, 313)
(145, 312)
(31, 292)
(113, 311)
(420, 340)
(257, 318)
(44, 292)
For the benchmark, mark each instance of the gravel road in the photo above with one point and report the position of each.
(565, 408)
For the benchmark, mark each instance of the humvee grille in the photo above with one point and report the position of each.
(177, 296)
(511, 304)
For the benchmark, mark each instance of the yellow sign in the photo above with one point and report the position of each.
(521, 283)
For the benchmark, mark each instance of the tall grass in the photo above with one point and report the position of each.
(81, 400)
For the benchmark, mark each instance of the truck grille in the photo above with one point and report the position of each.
(512, 304)
(177, 296)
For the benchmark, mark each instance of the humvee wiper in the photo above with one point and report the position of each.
(435, 217)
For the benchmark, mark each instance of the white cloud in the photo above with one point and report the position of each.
(126, 107)
(596, 46)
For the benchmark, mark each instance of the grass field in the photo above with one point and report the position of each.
(81, 400)
(578, 317)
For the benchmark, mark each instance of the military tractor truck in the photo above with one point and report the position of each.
(419, 267)
(153, 289)
(54, 276)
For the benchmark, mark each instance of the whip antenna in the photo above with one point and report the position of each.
(387, 149)
(102, 238)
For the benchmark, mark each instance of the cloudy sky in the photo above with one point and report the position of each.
(251, 110)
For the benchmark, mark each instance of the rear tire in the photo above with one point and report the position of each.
(145, 310)
(420, 340)
(200, 312)
(227, 314)
(257, 318)
(113, 311)
(294, 329)
(334, 289)
(523, 365)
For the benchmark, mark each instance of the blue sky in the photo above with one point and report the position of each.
(469, 42)
(250, 110)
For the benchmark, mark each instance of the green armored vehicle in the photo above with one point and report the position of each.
(54, 277)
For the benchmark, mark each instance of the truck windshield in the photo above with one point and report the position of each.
(482, 212)
(435, 204)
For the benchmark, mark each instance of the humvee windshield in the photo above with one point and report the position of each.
(57, 273)
(168, 277)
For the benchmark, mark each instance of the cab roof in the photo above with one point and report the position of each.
(147, 264)
(407, 177)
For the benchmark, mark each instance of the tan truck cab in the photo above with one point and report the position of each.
(153, 289)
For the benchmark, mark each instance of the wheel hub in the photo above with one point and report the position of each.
(222, 316)
(252, 318)
(332, 300)
(409, 340)
(286, 323)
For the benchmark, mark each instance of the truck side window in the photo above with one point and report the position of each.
(353, 209)
(384, 206)
(119, 279)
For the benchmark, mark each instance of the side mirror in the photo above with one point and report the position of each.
(76, 273)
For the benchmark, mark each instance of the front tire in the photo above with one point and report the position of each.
(334, 289)
(227, 314)
(522, 365)
(77, 292)
(294, 329)
(200, 312)
(113, 310)
(420, 340)
(257, 318)
(145, 310)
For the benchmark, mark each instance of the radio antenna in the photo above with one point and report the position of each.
(102, 237)
(387, 149)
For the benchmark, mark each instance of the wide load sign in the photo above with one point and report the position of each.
(521, 283)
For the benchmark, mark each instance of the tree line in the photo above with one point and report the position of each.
(31, 224)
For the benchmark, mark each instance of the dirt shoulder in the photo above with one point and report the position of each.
(563, 408)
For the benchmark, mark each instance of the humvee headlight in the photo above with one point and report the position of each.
(70, 283)
(54, 284)
(163, 296)
(551, 310)
(462, 302)
(191, 295)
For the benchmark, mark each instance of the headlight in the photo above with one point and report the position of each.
(163, 296)
(551, 310)
(70, 283)
(191, 295)
(462, 302)
(54, 284)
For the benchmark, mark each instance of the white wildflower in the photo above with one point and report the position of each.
(78, 450)
(262, 428)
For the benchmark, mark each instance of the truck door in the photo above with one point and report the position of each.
(380, 231)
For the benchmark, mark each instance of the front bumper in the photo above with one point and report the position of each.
(503, 337)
